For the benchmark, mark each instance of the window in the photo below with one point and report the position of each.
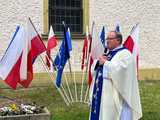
(69, 11)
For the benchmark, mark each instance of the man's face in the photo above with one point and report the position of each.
(112, 41)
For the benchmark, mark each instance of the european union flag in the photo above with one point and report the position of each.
(63, 55)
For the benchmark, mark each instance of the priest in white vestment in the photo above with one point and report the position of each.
(114, 92)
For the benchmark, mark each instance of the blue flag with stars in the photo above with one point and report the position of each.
(62, 56)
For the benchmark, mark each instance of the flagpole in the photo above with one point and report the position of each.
(69, 63)
(65, 93)
(59, 90)
(88, 57)
(46, 68)
(87, 91)
(35, 29)
(75, 84)
(69, 100)
(62, 85)
(70, 70)
(81, 97)
(66, 81)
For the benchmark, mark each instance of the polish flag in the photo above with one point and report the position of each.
(85, 50)
(52, 42)
(11, 61)
(34, 46)
(16, 64)
(132, 43)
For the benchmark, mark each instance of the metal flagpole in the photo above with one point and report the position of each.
(88, 57)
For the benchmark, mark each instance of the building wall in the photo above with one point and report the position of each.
(128, 13)
(16, 12)
(103, 12)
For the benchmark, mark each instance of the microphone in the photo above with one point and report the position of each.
(105, 51)
(105, 54)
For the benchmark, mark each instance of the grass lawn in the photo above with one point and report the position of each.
(150, 99)
(49, 97)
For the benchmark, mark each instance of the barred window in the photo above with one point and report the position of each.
(69, 11)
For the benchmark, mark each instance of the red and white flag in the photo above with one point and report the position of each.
(35, 48)
(96, 49)
(84, 51)
(132, 43)
(11, 61)
(52, 42)
(16, 64)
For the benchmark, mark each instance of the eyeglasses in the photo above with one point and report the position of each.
(111, 38)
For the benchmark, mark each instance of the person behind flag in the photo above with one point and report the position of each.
(114, 91)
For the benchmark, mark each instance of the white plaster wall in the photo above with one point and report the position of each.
(128, 13)
(16, 12)
(103, 12)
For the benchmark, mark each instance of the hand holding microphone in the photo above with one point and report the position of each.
(102, 59)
